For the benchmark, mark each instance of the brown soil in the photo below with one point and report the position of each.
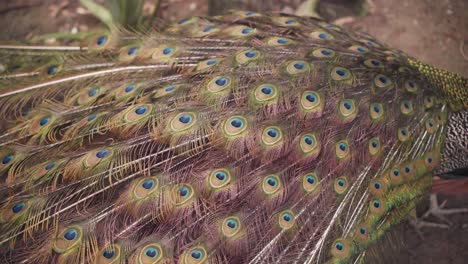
(434, 31)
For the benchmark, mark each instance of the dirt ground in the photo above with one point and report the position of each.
(434, 31)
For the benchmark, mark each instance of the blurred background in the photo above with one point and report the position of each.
(436, 32)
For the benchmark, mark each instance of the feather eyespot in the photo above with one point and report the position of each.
(96, 157)
(247, 56)
(219, 178)
(342, 149)
(183, 121)
(286, 219)
(145, 187)
(164, 91)
(44, 121)
(406, 107)
(194, 255)
(231, 226)
(374, 146)
(278, 41)
(101, 40)
(18, 207)
(378, 187)
(341, 249)
(207, 64)
(373, 63)
(411, 86)
(340, 74)
(310, 182)
(218, 84)
(312, 101)
(235, 125)
(320, 35)
(431, 126)
(359, 49)
(403, 134)
(129, 88)
(52, 70)
(182, 194)
(323, 53)
(67, 239)
(7, 159)
(309, 144)
(265, 92)
(347, 109)
(376, 111)
(271, 185)
(377, 207)
(341, 185)
(150, 254)
(102, 153)
(240, 31)
(50, 166)
(429, 102)
(297, 67)
(382, 82)
(271, 136)
(109, 254)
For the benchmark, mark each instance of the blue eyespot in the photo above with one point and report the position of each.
(396, 172)
(184, 191)
(148, 184)
(182, 21)
(250, 54)
(375, 63)
(102, 153)
(268, 90)
(49, 166)
(290, 22)
(238, 123)
(376, 204)
(272, 133)
(281, 41)
(339, 246)
(196, 254)
(129, 88)
(101, 40)
(347, 105)
(92, 92)
(430, 123)
(407, 169)
(383, 79)
(410, 83)
(310, 179)
(250, 13)
(377, 108)
(132, 51)
(407, 105)
(341, 72)
(211, 62)
(152, 252)
(221, 81)
(246, 31)
(377, 185)
(170, 88)
(168, 51)
(403, 132)
(231, 223)
(311, 97)
(360, 49)
(323, 35)
(108, 254)
(44, 121)
(374, 143)
(207, 29)
(18, 207)
(272, 182)
(287, 217)
(221, 175)
(343, 147)
(7, 159)
(299, 65)
(363, 230)
(341, 182)
(185, 118)
(429, 159)
(71, 234)
(91, 118)
(141, 110)
(308, 140)
(325, 52)
(52, 70)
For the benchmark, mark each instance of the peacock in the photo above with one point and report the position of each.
(240, 138)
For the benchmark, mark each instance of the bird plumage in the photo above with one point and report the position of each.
(244, 138)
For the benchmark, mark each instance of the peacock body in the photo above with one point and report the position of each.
(244, 138)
